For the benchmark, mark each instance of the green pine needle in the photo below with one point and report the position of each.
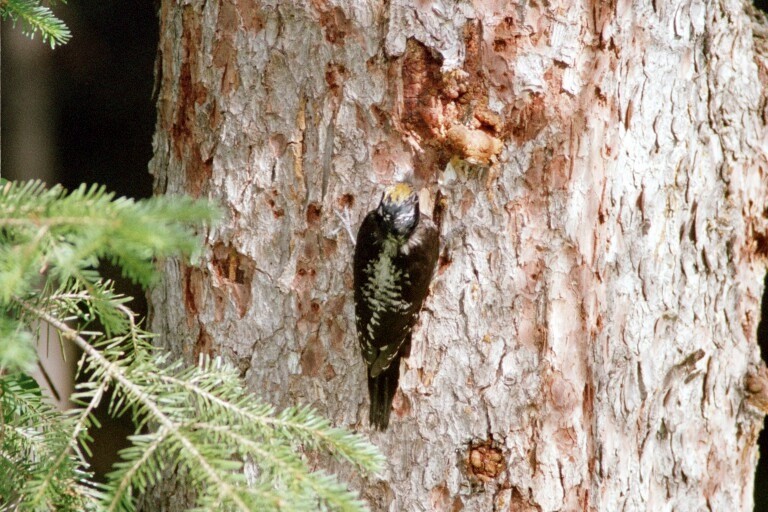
(231, 450)
(36, 18)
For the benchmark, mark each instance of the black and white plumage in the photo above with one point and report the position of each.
(395, 257)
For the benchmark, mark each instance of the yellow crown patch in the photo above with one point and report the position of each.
(398, 192)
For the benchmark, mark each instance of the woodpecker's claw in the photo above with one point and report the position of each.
(346, 221)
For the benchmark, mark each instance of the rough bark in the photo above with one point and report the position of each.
(599, 172)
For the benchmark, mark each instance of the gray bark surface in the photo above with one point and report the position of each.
(600, 172)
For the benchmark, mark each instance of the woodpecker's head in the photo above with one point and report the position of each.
(399, 209)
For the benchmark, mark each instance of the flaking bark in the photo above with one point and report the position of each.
(599, 172)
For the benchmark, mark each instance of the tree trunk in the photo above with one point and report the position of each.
(598, 173)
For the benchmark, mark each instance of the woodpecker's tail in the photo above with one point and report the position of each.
(382, 390)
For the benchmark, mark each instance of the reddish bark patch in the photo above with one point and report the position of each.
(335, 75)
(277, 211)
(313, 357)
(219, 301)
(244, 14)
(225, 58)
(401, 405)
(443, 261)
(278, 143)
(191, 92)
(547, 172)
(762, 75)
(333, 311)
(382, 116)
(362, 117)
(313, 214)
(562, 396)
(198, 172)
(466, 202)
(506, 41)
(761, 244)
(440, 499)
(329, 247)
(186, 135)
(310, 310)
(506, 36)
(438, 210)
(191, 290)
(447, 113)
(336, 25)
(334, 306)
(485, 461)
(228, 19)
(756, 388)
(337, 334)
(251, 15)
(224, 48)
(304, 280)
(346, 201)
(422, 81)
(527, 121)
(383, 160)
(314, 309)
(755, 242)
(520, 502)
(328, 372)
(587, 400)
(235, 272)
(203, 345)
(214, 118)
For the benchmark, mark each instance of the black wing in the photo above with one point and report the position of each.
(383, 342)
(368, 246)
(386, 341)
(419, 257)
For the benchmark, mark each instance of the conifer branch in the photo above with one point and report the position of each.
(82, 424)
(36, 17)
(199, 421)
(113, 371)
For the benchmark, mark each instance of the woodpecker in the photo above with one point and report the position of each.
(395, 256)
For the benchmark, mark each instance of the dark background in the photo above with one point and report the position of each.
(761, 477)
(85, 113)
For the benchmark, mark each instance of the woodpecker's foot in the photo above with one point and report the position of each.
(345, 216)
